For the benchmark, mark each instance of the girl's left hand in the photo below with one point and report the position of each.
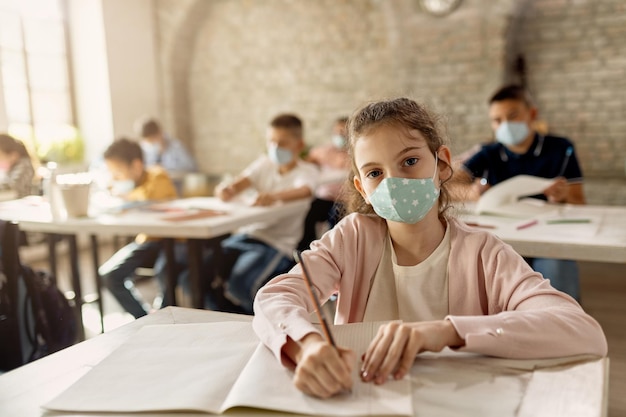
(396, 345)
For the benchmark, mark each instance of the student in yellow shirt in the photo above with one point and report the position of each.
(133, 182)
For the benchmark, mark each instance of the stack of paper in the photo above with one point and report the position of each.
(506, 198)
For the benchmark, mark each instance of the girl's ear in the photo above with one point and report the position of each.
(359, 187)
(444, 155)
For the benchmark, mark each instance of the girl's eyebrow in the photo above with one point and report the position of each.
(402, 152)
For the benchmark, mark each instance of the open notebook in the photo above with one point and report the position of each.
(214, 367)
(507, 198)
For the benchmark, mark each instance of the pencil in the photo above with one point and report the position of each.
(316, 302)
(562, 221)
(568, 153)
(527, 225)
(484, 226)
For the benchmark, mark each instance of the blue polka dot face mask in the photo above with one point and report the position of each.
(405, 200)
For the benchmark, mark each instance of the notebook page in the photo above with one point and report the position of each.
(165, 368)
(266, 384)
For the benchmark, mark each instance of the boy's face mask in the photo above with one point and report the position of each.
(512, 133)
(405, 200)
(280, 156)
(122, 187)
(338, 141)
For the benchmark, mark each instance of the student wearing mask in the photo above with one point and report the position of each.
(132, 181)
(161, 149)
(259, 251)
(400, 257)
(520, 149)
(326, 207)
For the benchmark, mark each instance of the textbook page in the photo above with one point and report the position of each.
(211, 367)
(504, 198)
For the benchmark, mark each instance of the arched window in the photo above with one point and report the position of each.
(34, 73)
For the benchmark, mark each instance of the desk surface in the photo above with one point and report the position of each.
(34, 215)
(601, 239)
(577, 389)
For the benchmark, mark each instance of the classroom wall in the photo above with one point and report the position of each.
(228, 66)
(576, 56)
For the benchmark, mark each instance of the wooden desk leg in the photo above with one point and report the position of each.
(52, 251)
(195, 268)
(96, 263)
(171, 278)
(78, 293)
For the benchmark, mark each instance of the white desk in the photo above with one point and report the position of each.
(601, 240)
(578, 389)
(33, 214)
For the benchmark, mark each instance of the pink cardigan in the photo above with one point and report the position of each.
(497, 303)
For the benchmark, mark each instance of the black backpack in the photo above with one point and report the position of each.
(35, 317)
(49, 319)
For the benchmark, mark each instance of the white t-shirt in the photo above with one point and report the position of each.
(410, 293)
(285, 232)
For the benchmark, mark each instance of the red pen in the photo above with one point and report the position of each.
(527, 225)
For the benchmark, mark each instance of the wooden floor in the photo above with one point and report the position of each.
(603, 296)
(603, 289)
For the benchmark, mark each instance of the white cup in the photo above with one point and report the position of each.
(75, 199)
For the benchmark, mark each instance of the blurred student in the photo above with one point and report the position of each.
(330, 158)
(16, 167)
(399, 257)
(161, 149)
(133, 182)
(521, 149)
(259, 251)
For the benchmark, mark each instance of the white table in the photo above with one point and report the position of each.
(33, 214)
(578, 388)
(603, 239)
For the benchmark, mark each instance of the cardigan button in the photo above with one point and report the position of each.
(499, 331)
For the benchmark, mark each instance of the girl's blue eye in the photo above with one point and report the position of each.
(373, 174)
(410, 161)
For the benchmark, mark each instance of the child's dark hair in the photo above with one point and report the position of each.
(148, 127)
(512, 92)
(124, 150)
(290, 122)
(403, 113)
(8, 144)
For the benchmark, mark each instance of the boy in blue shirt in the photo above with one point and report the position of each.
(519, 149)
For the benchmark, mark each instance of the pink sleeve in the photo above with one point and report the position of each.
(527, 317)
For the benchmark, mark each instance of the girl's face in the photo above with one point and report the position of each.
(389, 151)
(7, 160)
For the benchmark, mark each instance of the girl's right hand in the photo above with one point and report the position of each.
(323, 370)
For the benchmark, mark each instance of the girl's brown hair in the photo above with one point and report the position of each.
(403, 113)
(8, 144)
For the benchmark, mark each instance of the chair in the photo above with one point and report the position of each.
(10, 348)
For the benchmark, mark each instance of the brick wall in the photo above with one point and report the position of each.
(228, 66)
(576, 56)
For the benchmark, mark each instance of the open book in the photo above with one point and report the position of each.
(214, 367)
(507, 198)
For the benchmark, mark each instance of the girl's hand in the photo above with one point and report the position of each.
(396, 345)
(323, 370)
